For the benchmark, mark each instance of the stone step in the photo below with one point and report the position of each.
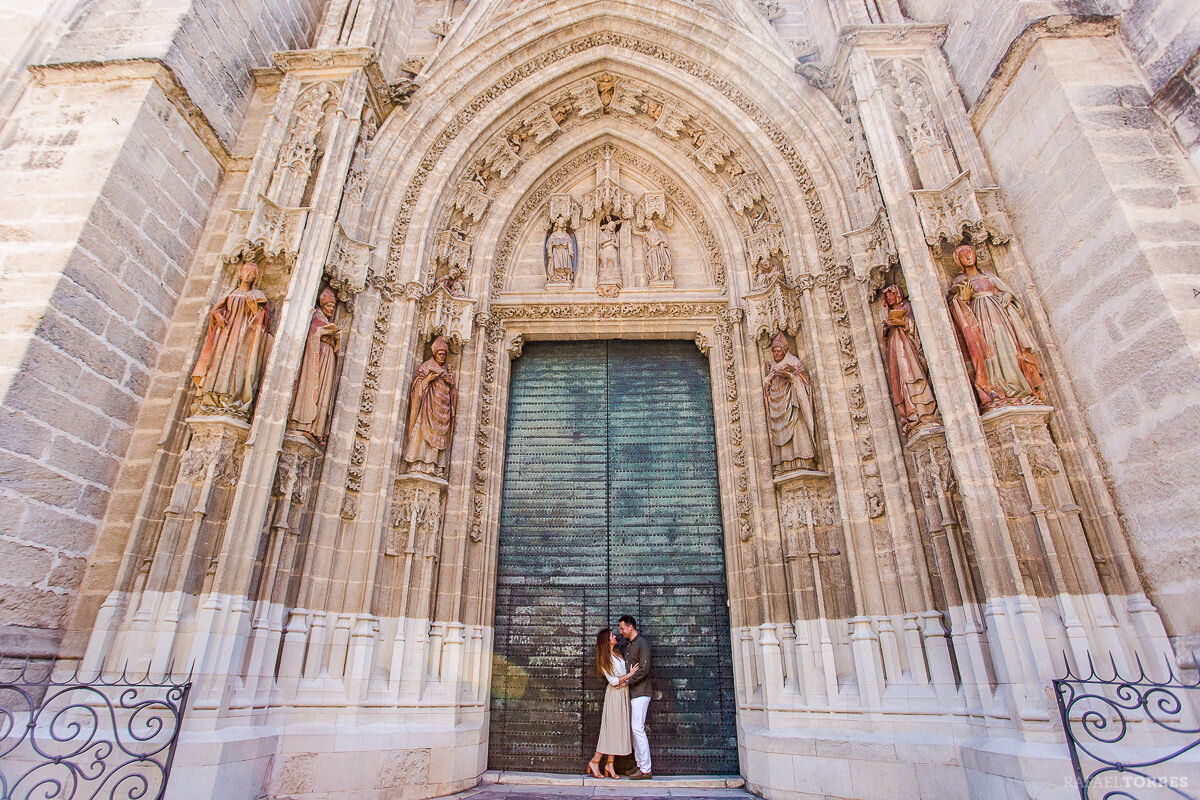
(660, 781)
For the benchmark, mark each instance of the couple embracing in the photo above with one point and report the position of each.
(626, 700)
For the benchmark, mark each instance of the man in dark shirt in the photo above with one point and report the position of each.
(638, 652)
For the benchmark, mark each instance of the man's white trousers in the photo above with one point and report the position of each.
(638, 707)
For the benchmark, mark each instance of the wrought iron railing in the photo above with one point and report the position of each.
(108, 738)
(1131, 737)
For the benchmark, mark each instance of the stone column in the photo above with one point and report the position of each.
(917, 48)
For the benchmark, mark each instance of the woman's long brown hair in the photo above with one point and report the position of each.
(604, 653)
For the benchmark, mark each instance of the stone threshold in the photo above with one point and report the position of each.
(660, 781)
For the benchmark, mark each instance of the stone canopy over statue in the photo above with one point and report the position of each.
(998, 345)
(790, 418)
(235, 349)
(432, 401)
(313, 402)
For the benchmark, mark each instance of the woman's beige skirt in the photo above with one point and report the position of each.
(615, 739)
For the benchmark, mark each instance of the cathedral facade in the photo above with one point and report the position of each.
(364, 358)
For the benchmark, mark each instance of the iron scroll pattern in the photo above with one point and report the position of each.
(1122, 732)
(103, 739)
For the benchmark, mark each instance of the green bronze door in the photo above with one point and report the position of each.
(610, 506)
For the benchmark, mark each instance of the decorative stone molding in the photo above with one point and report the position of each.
(272, 229)
(327, 58)
(494, 332)
(446, 315)
(614, 310)
(773, 309)
(516, 346)
(892, 34)
(959, 211)
(349, 261)
(723, 330)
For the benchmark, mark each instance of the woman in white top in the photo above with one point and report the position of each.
(615, 739)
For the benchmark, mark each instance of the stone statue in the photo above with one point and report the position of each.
(993, 336)
(908, 374)
(560, 254)
(765, 272)
(432, 401)
(313, 401)
(658, 253)
(608, 279)
(790, 417)
(453, 280)
(235, 349)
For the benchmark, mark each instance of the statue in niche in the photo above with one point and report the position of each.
(608, 278)
(235, 349)
(453, 280)
(313, 402)
(432, 401)
(560, 254)
(790, 418)
(908, 374)
(992, 333)
(657, 252)
(766, 271)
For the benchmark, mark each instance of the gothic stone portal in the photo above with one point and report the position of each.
(611, 506)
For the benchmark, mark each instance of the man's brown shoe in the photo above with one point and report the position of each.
(642, 776)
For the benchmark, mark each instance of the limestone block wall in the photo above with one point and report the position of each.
(210, 45)
(1108, 212)
(110, 169)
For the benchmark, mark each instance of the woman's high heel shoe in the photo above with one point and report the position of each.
(610, 772)
(593, 769)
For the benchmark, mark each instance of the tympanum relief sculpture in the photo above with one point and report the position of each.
(995, 340)
(561, 253)
(313, 401)
(608, 275)
(432, 401)
(908, 374)
(657, 254)
(235, 349)
(787, 391)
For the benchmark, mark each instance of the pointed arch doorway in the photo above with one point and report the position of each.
(610, 506)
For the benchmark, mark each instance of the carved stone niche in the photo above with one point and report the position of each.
(448, 315)
(961, 211)
(272, 229)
